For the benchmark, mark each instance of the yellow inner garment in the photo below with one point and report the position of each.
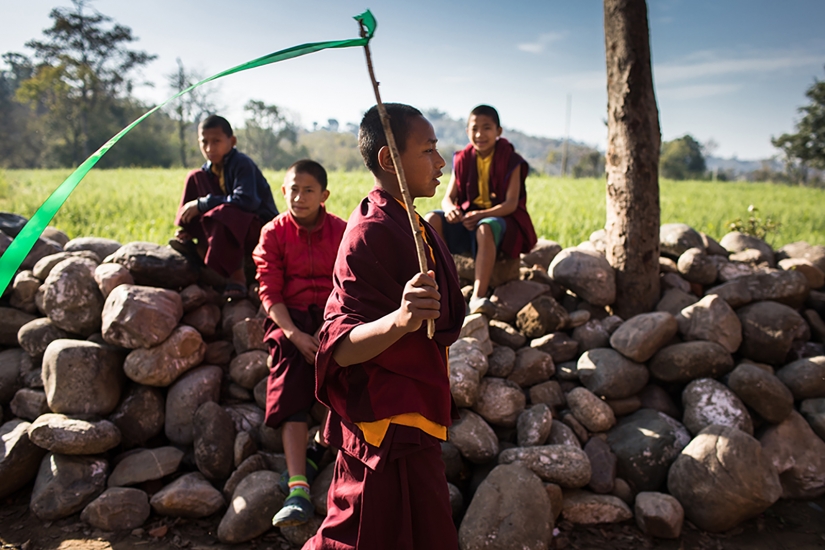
(218, 171)
(483, 166)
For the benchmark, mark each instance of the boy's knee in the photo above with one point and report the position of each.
(484, 232)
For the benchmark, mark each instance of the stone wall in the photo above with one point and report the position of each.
(129, 389)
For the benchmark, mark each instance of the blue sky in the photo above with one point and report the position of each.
(731, 71)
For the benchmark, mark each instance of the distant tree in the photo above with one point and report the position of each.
(334, 150)
(270, 137)
(191, 107)
(83, 69)
(590, 165)
(682, 159)
(806, 148)
(20, 144)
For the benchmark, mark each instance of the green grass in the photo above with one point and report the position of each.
(139, 204)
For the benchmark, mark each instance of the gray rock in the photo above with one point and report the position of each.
(70, 436)
(139, 416)
(145, 465)
(505, 335)
(71, 298)
(801, 249)
(24, 292)
(673, 280)
(798, 456)
(697, 267)
(656, 398)
(542, 253)
(602, 465)
(814, 412)
(643, 335)
(761, 391)
(11, 321)
(588, 274)
(45, 265)
(117, 509)
(247, 417)
(218, 353)
(567, 371)
(591, 335)
(235, 311)
(562, 434)
(736, 293)
(511, 297)
(804, 377)
(577, 318)
(558, 344)
(477, 326)
(297, 535)
(258, 499)
(510, 491)
(768, 330)
(320, 489)
(161, 365)
(646, 443)
(204, 319)
(189, 392)
(676, 238)
(564, 465)
(37, 334)
(814, 275)
(607, 373)
(532, 367)
(786, 287)
(711, 319)
(464, 384)
(707, 402)
(110, 276)
(154, 265)
(723, 478)
(578, 428)
(11, 224)
(625, 406)
(66, 484)
(82, 377)
(474, 438)
(193, 297)
(214, 439)
(189, 496)
(29, 404)
(139, 316)
(248, 334)
(42, 248)
(469, 351)
(11, 363)
(737, 242)
(19, 457)
(500, 402)
(585, 508)
(254, 463)
(548, 393)
(533, 426)
(100, 246)
(592, 412)
(659, 515)
(753, 257)
(540, 316)
(681, 363)
(456, 500)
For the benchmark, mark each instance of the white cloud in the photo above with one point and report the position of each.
(665, 73)
(542, 42)
(696, 91)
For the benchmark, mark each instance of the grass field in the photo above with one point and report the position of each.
(139, 204)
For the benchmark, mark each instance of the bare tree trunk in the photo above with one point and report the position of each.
(633, 139)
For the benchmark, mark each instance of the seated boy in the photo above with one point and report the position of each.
(223, 207)
(386, 383)
(485, 204)
(294, 259)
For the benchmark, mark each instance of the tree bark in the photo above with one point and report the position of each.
(632, 159)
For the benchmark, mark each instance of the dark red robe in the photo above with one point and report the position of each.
(520, 236)
(395, 495)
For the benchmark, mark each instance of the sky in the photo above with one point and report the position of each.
(729, 72)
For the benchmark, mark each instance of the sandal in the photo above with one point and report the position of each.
(235, 291)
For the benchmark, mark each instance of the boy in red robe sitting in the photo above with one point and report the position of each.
(386, 383)
(223, 207)
(485, 205)
(294, 259)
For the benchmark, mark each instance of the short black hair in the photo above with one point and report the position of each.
(486, 110)
(314, 169)
(371, 133)
(217, 121)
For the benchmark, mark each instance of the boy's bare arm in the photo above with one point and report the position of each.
(307, 344)
(506, 208)
(420, 301)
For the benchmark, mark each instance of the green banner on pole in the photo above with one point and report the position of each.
(19, 248)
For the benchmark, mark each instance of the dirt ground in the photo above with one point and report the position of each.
(797, 525)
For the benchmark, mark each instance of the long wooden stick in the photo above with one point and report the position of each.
(420, 247)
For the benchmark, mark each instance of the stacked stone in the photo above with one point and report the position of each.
(128, 389)
(708, 408)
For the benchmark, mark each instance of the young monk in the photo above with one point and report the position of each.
(386, 383)
(485, 204)
(294, 260)
(223, 207)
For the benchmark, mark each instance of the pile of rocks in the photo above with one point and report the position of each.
(129, 389)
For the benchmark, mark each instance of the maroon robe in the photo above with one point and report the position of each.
(395, 495)
(229, 231)
(520, 236)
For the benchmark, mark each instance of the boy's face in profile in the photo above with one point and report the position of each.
(215, 144)
(304, 197)
(421, 160)
(482, 131)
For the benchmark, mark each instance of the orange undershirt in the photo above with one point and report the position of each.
(218, 171)
(374, 432)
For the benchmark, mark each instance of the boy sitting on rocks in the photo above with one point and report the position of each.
(223, 207)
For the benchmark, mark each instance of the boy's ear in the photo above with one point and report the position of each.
(233, 140)
(283, 189)
(385, 160)
(324, 196)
